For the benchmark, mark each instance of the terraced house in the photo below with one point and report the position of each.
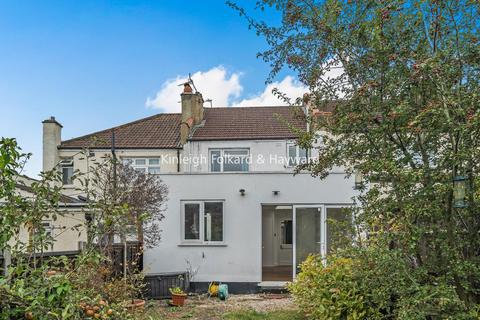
(236, 212)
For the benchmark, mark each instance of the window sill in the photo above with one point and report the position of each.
(202, 245)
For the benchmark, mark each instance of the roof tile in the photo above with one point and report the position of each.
(163, 130)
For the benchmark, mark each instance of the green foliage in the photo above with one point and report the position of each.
(374, 284)
(61, 289)
(329, 292)
(11, 162)
(54, 288)
(401, 107)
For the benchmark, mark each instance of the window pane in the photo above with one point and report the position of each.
(287, 232)
(292, 155)
(192, 221)
(154, 170)
(127, 162)
(213, 221)
(153, 161)
(140, 162)
(215, 161)
(67, 173)
(140, 169)
(235, 160)
(302, 155)
(339, 225)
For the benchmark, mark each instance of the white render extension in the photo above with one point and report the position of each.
(244, 222)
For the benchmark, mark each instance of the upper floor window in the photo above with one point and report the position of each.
(66, 166)
(229, 160)
(145, 165)
(296, 155)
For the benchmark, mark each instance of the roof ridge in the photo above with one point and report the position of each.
(254, 107)
(119, 126)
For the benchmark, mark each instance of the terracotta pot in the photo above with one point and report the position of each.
(178, 299)
(135, 304)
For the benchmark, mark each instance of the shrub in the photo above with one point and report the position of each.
(329, 292)
(375, 283)
(60, 289)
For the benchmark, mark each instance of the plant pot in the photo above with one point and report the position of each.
(135, 304)
(178, 299)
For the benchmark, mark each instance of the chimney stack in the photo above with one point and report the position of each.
(52, 137)
(192, 111)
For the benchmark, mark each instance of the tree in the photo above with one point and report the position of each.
(123, 202)
(17, 211)
(406, 115)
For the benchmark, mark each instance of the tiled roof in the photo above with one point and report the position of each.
(158, 131)
(250, 123)
(163, 130)
(63, 199)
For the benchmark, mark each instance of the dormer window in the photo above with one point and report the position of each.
(145, 165)
(296, 155)
(66, 166)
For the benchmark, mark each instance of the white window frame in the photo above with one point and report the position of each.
(201, 240)
(297, 159)
(131, 161)
(67, 163)
(222, 155)
(48, 228)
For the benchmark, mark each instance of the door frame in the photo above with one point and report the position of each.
(323, 229)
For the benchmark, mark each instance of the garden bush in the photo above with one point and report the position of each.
(64, 289)
(374, 283)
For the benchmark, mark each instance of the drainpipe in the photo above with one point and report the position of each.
(178, 160)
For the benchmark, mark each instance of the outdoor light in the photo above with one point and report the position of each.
(242, 192)
(275, 192)
(459, 190)
(358, 180)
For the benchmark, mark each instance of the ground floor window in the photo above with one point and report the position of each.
(202, 221)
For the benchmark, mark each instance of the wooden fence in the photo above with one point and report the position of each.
(134, 251)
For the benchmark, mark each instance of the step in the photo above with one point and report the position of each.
(273, 286)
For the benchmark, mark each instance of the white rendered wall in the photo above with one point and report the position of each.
(81, 164)
(267, 155)
(240, 259)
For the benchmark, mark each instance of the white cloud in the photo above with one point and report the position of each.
(225, 89)
(290, 87)
(216, 84)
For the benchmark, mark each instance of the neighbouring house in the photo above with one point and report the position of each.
(66, 224)
(68, 227)
(236, 213)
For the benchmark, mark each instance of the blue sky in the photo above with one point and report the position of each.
(94, 64)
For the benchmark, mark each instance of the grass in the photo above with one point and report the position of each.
(254, 315)
(236, 315)
(203, 309)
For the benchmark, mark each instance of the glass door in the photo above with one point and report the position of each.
(309, 233)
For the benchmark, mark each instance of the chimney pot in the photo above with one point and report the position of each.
(187, 88)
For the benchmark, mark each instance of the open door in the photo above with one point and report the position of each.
(309, 233)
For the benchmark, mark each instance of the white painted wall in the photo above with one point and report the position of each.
(81, 164)
(267, 155)
(65, 231)
(240, 260)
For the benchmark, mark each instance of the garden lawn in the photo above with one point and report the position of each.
(242, 307)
